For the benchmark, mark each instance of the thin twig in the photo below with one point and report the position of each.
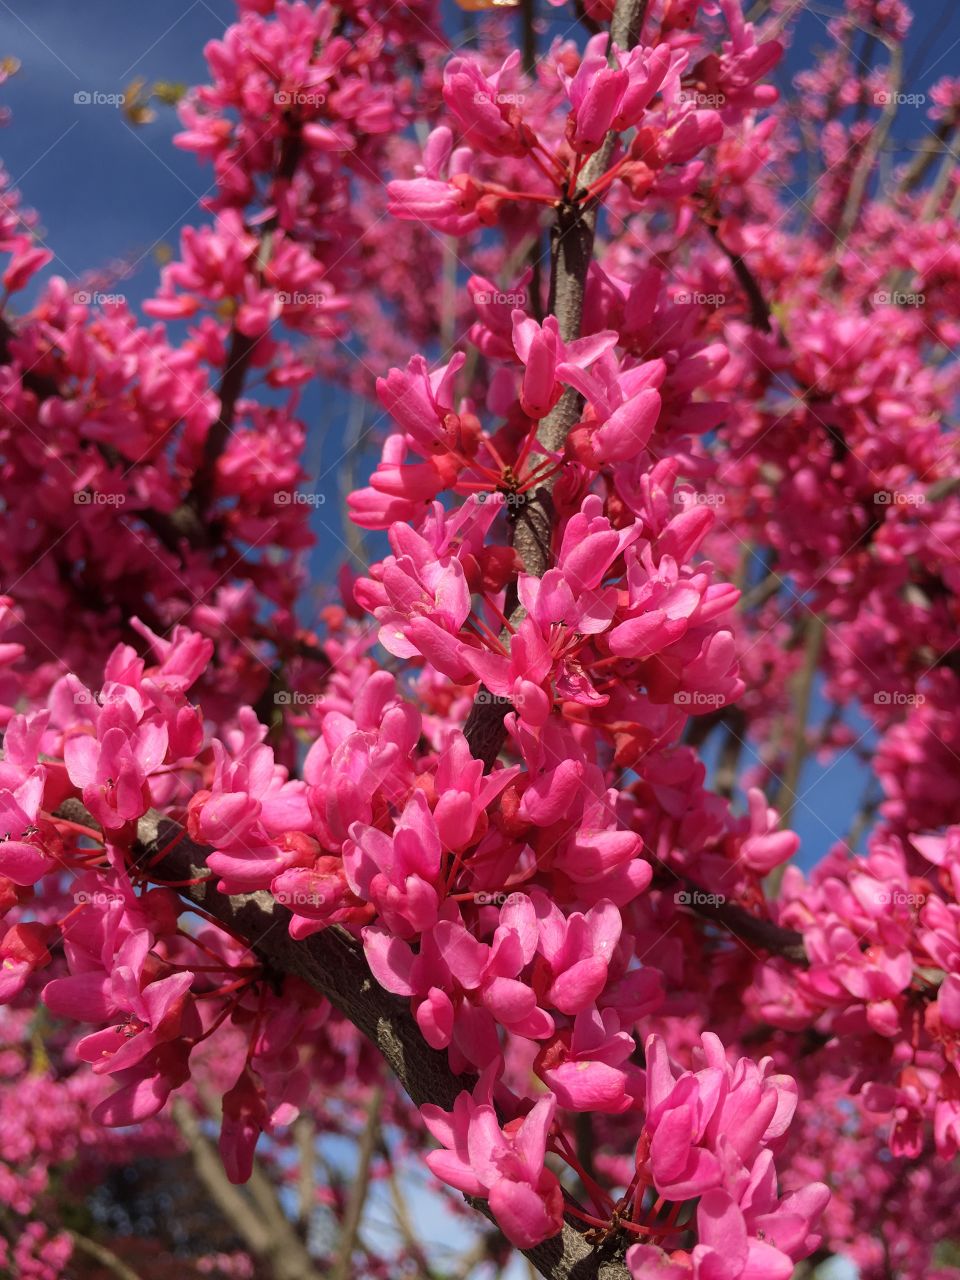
(106, 1257)
(353, 1216)
(802, 696)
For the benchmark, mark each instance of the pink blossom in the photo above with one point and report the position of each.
(504, 1165)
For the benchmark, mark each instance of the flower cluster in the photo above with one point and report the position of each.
(621, 543)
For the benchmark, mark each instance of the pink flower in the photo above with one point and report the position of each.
(463, 793)
(588, 1068)
(244, 1116)
(398, 872)
(504, 1165)
(23, 950)
(23, 858)
(766, 847)
(595, 93)
(420, 402)
(623, 408)
(577, 950)
(542, 352)
(112, 768)
(26, 261)
(484, 108)
(443, 195)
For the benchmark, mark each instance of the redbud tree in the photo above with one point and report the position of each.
(478, 853)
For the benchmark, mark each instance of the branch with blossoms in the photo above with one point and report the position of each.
(703, 480)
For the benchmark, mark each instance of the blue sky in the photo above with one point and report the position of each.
(105, 190)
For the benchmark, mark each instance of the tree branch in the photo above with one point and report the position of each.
(333, 964)
(572, 239)
(350, 1228)
(749, 929)
(104, 1256)
(269, 1235)
(759, 308)
(868, 158)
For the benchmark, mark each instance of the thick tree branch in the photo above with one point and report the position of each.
(572, 239)
(931, 150)
(332, 963)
